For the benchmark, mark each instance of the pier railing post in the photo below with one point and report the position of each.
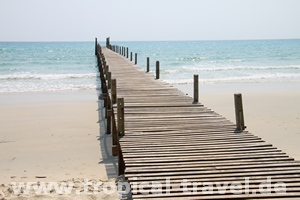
(127, 52)
(113, 91)
(104, 67)
(120, 116)
(106, 71)
(196, 88)
(157, 69)
(135, 59)
(96, 45)
(109, 80)
(148, 64)
(109, 115)
(121, 164)
(107, 42)
(239, 113)
(115, 146)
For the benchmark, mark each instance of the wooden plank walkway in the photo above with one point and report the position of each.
(178, 143)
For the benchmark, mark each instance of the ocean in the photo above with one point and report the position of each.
(69, 66)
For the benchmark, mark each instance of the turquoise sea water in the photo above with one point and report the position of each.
(60, 66)
(222, 61)
(47, 66)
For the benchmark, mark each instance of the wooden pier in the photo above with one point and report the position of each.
(170, 146)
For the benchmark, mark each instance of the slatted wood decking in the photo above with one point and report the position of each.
(178, 143)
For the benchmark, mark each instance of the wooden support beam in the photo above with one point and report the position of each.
(157, 69)
(120, 116)
(239, 113)
(127, 52)
(108, 114)
(113, 91)
(130, 56)
(104, 66)
(96, 45)
(196, 88)
(115, 146)
(121, 163)
(135, 59)
(107, 42)
(106, 71)
(148, 64)
(108, 80)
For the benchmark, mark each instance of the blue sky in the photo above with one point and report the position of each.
(135, 20)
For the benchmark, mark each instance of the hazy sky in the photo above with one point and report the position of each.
(130, 20)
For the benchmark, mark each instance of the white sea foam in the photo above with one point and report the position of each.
(255, 78)
(30, 76)
(230, 68)
(45, 88)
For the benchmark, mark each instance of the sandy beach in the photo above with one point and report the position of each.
(54, 137)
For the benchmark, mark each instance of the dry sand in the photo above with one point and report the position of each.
(56, 135)
(48, 137)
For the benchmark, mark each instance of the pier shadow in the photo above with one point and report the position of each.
(110, 162)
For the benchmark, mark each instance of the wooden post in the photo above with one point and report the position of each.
(127, 52)
(104, 67)
(113, 91)
(120, 116)
(157, 69)
(148, 64)
(115, 146)
(106, 71)
(108, 120)
(107, 42)
(96, 43)
(108, 80)
(135, 60)
(121, 164)
(196, 88)
(130, 56)
(239, 113)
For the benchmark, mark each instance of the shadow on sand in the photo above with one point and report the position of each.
(110, 161)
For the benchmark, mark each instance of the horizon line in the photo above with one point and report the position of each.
(192, 40)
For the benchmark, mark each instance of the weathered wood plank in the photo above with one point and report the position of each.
(167, 135)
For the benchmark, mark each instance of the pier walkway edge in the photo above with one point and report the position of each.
(170, 146)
